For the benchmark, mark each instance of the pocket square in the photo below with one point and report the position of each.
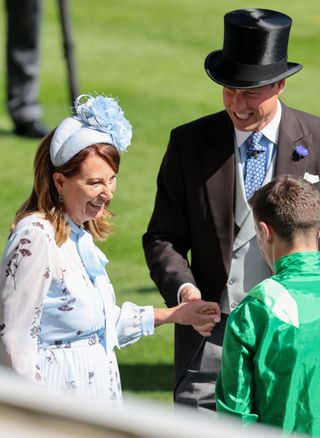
(311, 178)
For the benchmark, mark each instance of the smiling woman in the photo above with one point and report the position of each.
(88, 188)
(59, 324)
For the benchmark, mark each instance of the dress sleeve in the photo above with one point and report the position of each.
(25, 278)
(235, 385)
(133, 322)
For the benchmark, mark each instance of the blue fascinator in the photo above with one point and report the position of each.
(97, 120)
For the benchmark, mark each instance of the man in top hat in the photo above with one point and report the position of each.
(210, 170)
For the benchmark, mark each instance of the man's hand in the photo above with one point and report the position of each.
(202, 315)
(189, 293)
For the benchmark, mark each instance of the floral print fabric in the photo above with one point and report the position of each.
(53, 318)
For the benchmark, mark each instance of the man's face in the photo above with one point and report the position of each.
(252, 109)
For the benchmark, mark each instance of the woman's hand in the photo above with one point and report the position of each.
(202, 315)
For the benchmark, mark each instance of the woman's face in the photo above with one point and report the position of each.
(86, 193)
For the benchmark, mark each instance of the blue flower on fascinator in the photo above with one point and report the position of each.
(104, 113)
(299, 152)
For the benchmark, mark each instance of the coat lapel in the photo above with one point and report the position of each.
(217, 159)
(242, 208)
(291, 134)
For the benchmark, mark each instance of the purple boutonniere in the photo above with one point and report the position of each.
(299, 152)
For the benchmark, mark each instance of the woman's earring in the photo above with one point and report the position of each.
(60, 198)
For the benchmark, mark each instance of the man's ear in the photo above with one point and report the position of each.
(266, 231)
(281, 85)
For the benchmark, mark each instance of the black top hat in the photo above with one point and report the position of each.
(254, 50)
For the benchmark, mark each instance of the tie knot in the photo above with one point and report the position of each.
(254, 138)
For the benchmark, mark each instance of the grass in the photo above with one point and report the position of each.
(150, 54)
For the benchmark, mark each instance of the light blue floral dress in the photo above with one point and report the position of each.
(59, 323)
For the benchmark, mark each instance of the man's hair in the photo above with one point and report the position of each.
(290, 205)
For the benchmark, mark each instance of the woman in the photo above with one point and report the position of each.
(58, 319)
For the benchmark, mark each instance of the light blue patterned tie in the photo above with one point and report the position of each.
(255, 167)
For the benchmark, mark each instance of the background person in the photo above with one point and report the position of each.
(59, 321)
(270, 368)
(23, 51)
(212, 165)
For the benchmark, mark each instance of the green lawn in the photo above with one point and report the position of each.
(150, 54)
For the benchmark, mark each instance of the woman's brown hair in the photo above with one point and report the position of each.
(44, 197)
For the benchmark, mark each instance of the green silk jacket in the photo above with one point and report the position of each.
(271, 353)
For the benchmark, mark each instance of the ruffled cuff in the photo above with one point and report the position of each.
(147, 320)
(134, 322)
